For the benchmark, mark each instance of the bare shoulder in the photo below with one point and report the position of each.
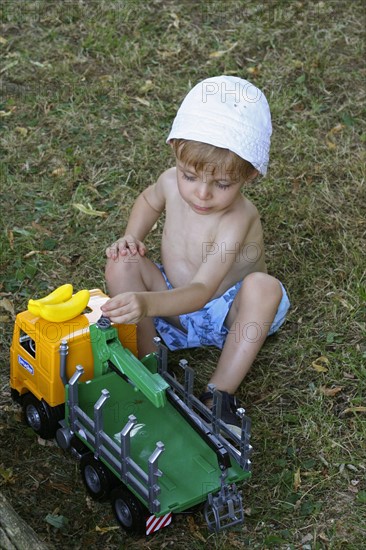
(157, 194)
(167, 181)
(250, 209)
(241, 219)
(242, 231)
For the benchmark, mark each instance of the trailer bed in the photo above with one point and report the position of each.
(190, 469)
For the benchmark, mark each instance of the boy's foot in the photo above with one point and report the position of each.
(228, 409)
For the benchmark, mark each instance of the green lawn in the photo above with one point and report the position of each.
(88, 92)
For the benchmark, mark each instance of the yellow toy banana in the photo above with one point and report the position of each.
(61, 294)
(57, 313)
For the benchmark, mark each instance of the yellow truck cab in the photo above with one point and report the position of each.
(44, 355)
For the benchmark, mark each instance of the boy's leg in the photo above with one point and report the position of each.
(250, 318)
(136, 273)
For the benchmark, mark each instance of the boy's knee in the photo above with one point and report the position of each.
(119, 267)
(264, 286)
(110, 271)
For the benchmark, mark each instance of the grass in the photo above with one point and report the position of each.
(89, 90)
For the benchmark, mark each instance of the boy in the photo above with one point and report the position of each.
(213, 287)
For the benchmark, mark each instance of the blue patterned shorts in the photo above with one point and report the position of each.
(206, 327)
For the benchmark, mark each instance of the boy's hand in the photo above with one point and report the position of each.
(129, 307)
(128, 244)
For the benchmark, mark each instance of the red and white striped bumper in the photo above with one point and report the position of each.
(154, 523)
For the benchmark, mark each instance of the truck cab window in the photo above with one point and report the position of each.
(28, 344)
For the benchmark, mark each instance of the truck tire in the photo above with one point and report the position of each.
(98, 480)
(15, 395)
(43, 419)
(130, 513)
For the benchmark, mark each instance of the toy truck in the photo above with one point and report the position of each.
(143, 439)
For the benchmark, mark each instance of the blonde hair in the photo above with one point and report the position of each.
(221, 162)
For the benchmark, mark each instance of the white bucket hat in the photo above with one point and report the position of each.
(227, 112)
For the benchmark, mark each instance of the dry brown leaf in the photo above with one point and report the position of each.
(220, 53)
(253, 70)
(45, 442)
(330, 392)
(336, 129)
(354, 410)
(9, 66)
(11, 239)
(58, 172)
(175, 18)
(146, 87)
(66, 489)
(106, 529)
(40, 228)
(106, 78)
(320, 364)
(143, 101)
(89, 210)
(194, 529)
(331, 145)
(4, 114)
(297, 480)
(22, 131)
(6, 304)
(31, 253)
(323, 536)
(165, 54)
(330, 141)
(7, 475)
(234, 540)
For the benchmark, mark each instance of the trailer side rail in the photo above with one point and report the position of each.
(117, 456)
(238, 447)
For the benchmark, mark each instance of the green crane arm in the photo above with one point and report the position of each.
(107, 349)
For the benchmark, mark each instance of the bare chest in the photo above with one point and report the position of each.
(189, 239)
(186, 237)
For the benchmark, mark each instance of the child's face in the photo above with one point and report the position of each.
(207, 192)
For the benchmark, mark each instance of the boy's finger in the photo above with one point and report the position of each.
(110, 252)
(142, 249)
(113, 251)
(132, 246)
(109, 307)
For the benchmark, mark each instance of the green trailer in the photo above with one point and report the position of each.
(147, 443)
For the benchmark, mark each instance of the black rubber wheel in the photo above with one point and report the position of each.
(98, 480)
(43, 419)
(130, 513)
(15, 395)
(78, 448)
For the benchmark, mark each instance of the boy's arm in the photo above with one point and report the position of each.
(145, 212)
(132, 307)
(143, 216)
